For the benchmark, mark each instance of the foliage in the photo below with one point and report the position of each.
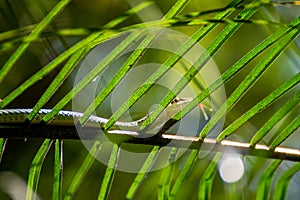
(254, 48)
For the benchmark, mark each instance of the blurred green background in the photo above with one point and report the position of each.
(93, 14)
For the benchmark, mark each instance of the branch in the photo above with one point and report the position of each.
(120, 136)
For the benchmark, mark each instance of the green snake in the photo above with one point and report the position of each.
(14, 123)
(67, 118)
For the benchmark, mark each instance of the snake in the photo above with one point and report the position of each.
(67, 118)
(13, 121)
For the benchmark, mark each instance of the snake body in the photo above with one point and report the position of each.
(63, 117)
(68, 118)
(14, 123)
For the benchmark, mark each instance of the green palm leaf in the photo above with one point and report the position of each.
(254, 47)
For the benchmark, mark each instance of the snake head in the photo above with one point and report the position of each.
(181, 101)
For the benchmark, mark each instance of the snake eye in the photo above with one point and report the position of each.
(176, 100)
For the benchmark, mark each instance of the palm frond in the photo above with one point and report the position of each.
(189, 159)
